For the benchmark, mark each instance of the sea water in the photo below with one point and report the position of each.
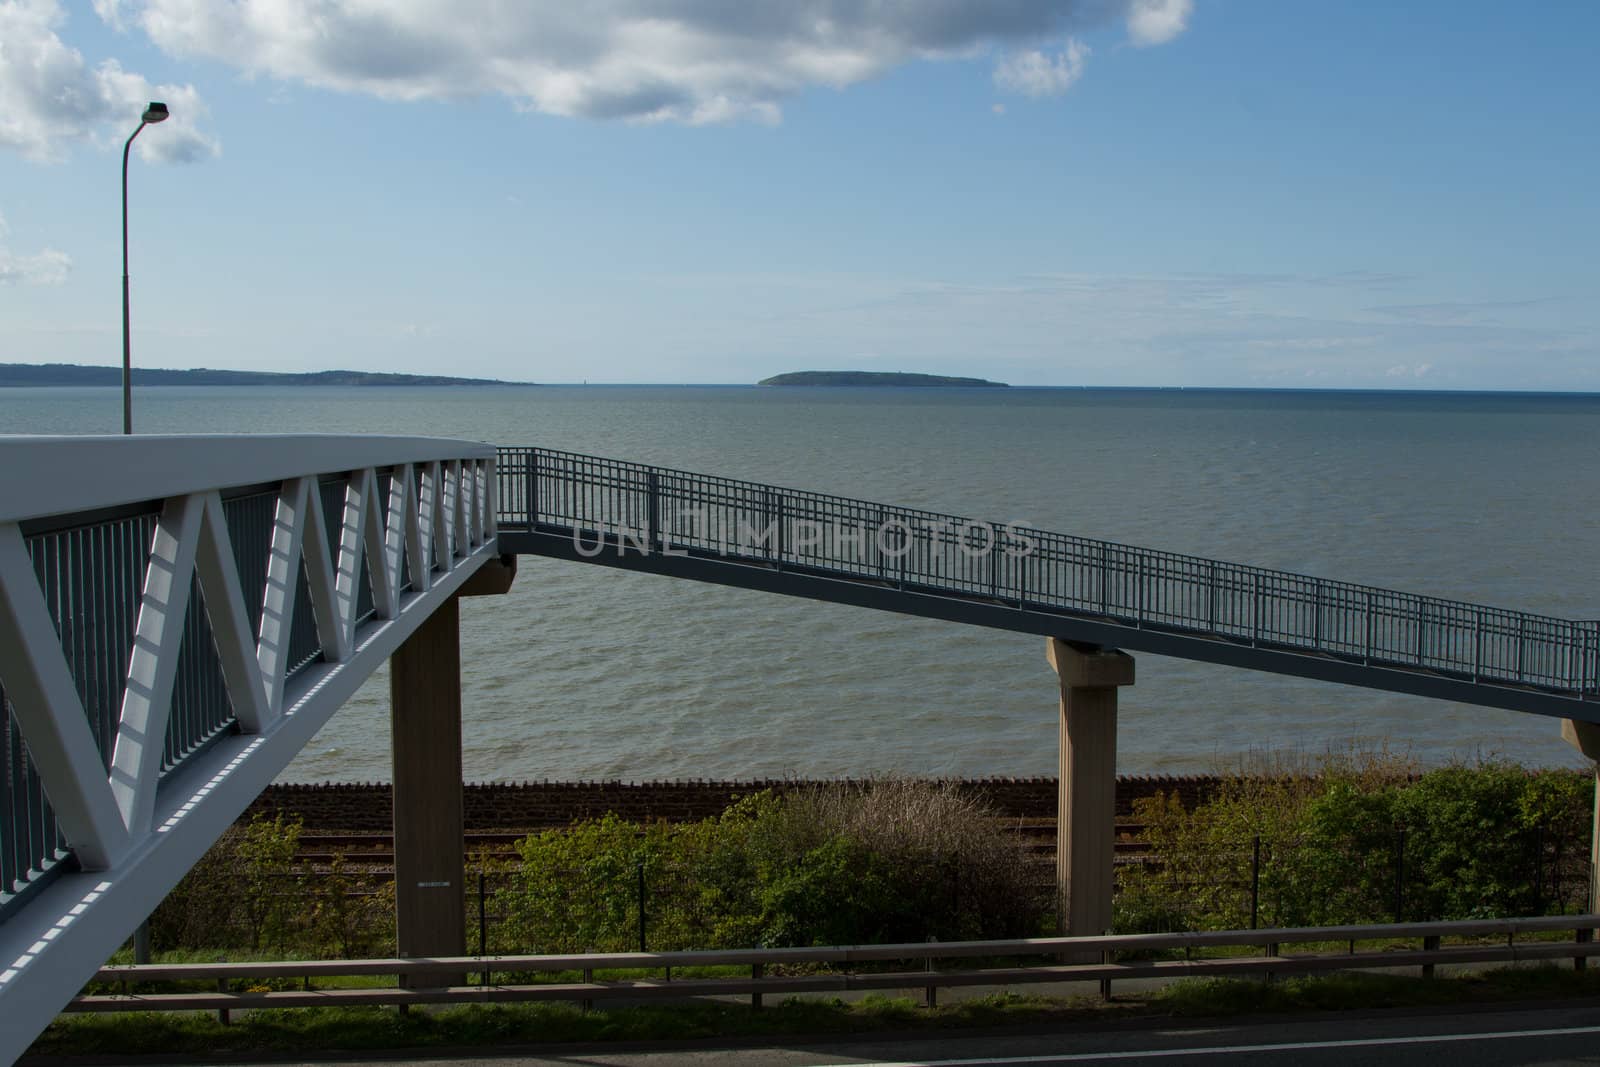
(590, 672)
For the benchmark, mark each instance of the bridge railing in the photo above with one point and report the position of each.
(646, 508)
(95, 537)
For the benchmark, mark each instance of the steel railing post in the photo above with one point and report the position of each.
(1138, 588)
(1105, 579)
(1371, 623)
(1211, 605)
(1477, 651)
(1422, 619)
(533, 488)
(1575, 652)
(877, 545)
(653, 514)
(1522, 644)
(1593, 682)
(1316, 616)
(1256, 610)
(994, 562)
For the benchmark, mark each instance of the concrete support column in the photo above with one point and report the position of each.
(1086, 808)
(1585, 737)
(429, 837)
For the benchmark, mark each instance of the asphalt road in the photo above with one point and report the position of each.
(1569, 1034)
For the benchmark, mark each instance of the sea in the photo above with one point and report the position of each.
(585, 672)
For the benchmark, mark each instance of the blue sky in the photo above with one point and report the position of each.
(1100, 192)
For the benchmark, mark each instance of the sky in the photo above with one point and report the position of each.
(1228, 193)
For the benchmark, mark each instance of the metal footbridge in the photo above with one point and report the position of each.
(180, 615)
(847, 551)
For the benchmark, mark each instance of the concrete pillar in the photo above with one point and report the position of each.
(429, 830)
(1585, 737)
(1086, 807)
(429, 837)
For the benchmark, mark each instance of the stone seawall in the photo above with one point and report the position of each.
(367, 807)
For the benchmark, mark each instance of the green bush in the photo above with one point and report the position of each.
(838, 893)
(898, 860)
(247, 892)
(890, 861)
(576, 889)
(1360, 839)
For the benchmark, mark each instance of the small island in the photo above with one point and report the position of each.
(864, 377)
(59, 374)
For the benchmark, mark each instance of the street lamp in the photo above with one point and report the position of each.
(156, 112)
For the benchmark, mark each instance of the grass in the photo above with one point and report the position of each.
(1221, 997)
(366, 1029)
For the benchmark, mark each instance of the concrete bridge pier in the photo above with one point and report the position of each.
(429, 826)
(1585, 737)
(1086, 806)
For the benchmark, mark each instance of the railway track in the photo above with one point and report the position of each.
(373, 852)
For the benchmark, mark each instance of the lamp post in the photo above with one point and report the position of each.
(156, 112)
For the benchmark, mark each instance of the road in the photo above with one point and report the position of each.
(1544, 1036)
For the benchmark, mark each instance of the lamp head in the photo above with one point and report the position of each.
(156, 112)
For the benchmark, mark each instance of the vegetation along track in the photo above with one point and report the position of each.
(372, 853)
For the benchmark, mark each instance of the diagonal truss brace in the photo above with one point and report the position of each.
(135, 832)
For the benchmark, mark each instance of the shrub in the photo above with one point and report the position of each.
(576, 889)
(352, 913)
(894, 860)
(1364, 840)
(265, 854)
(956, 873)
(203, 908)
(243, 892)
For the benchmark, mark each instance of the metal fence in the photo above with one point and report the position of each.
(1404, 876)
(648, 509)
(91, 569)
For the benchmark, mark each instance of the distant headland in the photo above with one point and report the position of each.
(864, 377)
(46, 374)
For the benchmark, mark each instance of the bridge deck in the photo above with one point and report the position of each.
(847, 551)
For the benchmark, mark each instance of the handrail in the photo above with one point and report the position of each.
(653, 509)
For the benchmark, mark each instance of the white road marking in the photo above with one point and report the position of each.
(1220, 1050)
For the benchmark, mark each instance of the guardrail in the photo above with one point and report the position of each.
(1270, 963)
(607, 505)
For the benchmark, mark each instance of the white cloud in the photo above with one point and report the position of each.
(47, 267)
(1316, 344)
(1182, 329)
(110, 12)
(51, 98)
(1157, 21)
(1033, 73)
(694, 61)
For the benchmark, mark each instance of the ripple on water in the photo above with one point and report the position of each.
(590, 672)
